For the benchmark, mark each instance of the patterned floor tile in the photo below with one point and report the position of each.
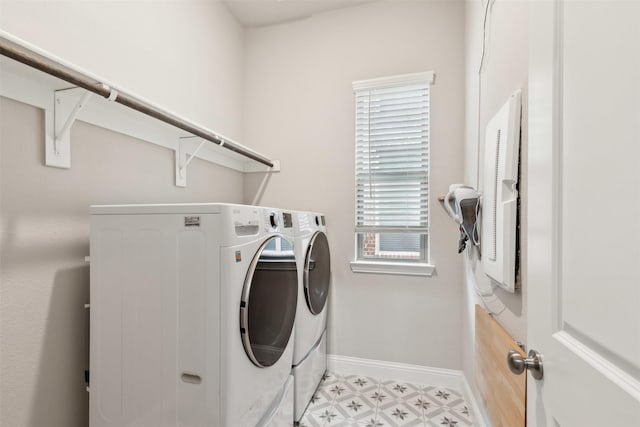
(372, 422)
(400, 413)
(427, 406)
(339, 389)
(443, 396)
(447, 419)
(331, 378)
(356, 407)
(347, 423)
(360, 401)
(362, 384)
(330, 416)
(400, 390)
(321, 399)
(462, 411)
(379, 422)
(379, 396)
(312, 419)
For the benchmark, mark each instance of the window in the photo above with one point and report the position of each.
(392, 174)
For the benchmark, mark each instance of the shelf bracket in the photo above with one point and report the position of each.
(67, 105)
(183, 159)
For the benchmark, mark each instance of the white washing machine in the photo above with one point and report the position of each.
(314, 270)
(192, 314)
(282, 221)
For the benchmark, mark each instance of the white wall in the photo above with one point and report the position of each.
(186, 55)
(300, 109)
(504, 72)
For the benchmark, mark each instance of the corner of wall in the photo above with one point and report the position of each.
(504, 39)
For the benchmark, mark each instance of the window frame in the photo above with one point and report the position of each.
(381, 265)
(424, 248)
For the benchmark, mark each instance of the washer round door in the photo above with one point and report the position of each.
(317, 273)
(268, 305)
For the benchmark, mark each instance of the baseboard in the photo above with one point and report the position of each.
(417, 374)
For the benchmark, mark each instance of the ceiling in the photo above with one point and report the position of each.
(260, 13)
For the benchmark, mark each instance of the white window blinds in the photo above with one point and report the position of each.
(392, 155)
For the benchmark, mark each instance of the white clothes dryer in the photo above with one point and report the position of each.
(314, 270)
(192, 314)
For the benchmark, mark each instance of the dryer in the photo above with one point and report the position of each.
(314, 272)
(192, 315)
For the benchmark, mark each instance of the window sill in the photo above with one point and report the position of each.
(397, 268)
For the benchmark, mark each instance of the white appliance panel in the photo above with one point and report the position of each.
(308, 375)
(138, 262)
(500, 194)
(281, 413)
(165, 335)
(309, 326)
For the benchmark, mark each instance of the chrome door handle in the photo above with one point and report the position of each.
(532, 363)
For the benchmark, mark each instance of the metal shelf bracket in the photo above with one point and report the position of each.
(183, 158)
(188, 148)
(67, 105)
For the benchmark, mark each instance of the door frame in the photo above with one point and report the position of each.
(545, 131)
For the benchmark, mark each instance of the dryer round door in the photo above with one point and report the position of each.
(268, 305)
(317, 272)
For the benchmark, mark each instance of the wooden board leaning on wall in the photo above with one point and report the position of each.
(503, 393)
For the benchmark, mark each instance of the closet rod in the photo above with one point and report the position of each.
(40, 62)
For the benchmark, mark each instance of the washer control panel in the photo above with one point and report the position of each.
(273, 220)
(246, 221)
(287, 220)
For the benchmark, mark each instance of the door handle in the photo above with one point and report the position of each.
(533, 363)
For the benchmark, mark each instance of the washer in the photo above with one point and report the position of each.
(192, 315)
(314, 276)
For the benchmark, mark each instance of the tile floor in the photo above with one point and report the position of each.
(352, 400)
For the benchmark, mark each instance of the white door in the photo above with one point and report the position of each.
(584, 213)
